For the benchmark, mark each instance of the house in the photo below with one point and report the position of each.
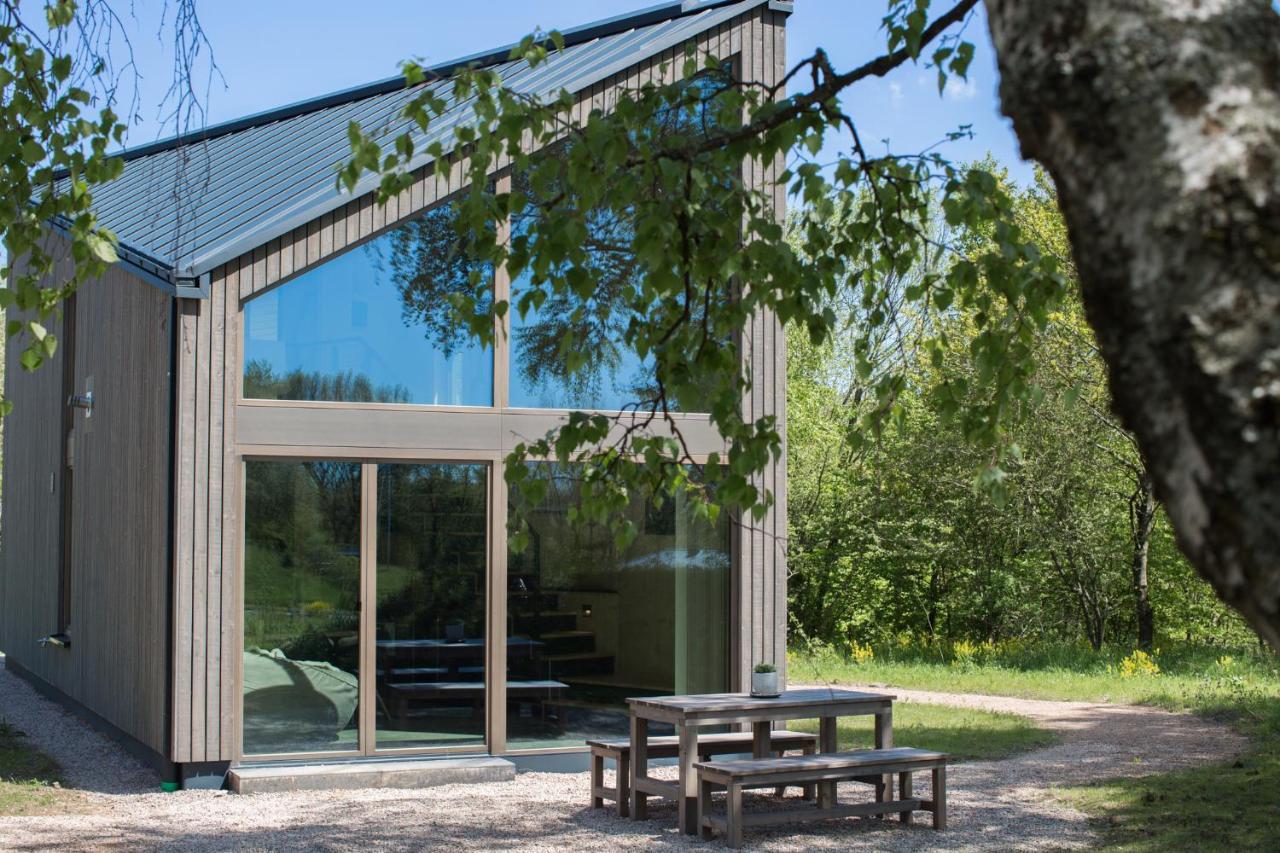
(255, 511)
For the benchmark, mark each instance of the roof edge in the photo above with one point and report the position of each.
(329, 197)
(574, 36)
(150, 270)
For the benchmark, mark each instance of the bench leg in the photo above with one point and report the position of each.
(780, 790)
(940, 797)
(904, 792)
(734, 817)
(624, 784)
(687, 786)
(639, 765)
(704, 809)
(597, 779)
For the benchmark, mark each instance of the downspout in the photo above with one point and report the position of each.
(171, 771)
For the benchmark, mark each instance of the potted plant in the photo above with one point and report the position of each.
(764, 680)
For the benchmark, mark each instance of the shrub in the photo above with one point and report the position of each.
(1138, 664)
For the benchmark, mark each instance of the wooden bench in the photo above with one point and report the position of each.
(726, 743)
(734, 776)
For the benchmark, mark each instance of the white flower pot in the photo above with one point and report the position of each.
(764, 684)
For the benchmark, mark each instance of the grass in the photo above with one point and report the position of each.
(1195, 678)
(30, 781)
(966, 733)
(1230, 806)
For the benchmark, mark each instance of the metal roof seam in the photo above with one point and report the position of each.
(196, 205)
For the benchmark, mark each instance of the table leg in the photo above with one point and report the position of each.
(762, 745)
(688, 783)
(639, 765)
(827, 743)
(761, 739)
(884, 740)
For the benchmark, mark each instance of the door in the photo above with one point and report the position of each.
(431, 546)
(364, 607)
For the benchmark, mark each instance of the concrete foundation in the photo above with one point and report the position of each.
(424, 773)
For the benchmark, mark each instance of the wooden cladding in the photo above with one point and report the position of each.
(206, 528)
(761, 593)
(214, 431)
(116, 516)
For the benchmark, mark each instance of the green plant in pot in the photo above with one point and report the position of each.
(764, 680)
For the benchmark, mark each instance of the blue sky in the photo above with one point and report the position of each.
(272, 52)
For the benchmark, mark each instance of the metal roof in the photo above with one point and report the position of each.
(184, 206)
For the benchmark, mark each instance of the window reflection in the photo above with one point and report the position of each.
(432, 564)
(614, 376)
(373, 325)
(609, 623)
(301, 606)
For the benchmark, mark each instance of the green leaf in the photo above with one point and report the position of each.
(102, 248)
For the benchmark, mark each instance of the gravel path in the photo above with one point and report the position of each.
(994, 805)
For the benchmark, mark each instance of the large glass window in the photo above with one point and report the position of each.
(431, 569)
(301, 607)
(591, 624)
(614, 376)
(373, 325)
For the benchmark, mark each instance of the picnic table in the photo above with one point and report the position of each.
(690, 713)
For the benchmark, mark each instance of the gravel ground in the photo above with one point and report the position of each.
(994, 805)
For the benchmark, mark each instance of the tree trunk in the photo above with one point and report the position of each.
(1142, 520)
(1159, 121)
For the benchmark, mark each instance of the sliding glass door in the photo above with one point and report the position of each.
(592, 623)
(366, 629)
(364, 606)
(302, 573)
(431, 566)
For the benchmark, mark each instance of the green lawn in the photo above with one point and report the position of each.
(29, 780)
(966, 733)
(1231, 806)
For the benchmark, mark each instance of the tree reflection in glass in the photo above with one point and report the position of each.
(301, 606)
(573, 350)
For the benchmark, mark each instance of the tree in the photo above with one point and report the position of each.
(55, 66)
(1160, 123)
(1157, 120)
(1072, 367)
(891, 540)
(1154, 158)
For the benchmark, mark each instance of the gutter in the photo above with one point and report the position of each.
(154, 272)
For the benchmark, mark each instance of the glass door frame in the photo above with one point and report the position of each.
(495, 660)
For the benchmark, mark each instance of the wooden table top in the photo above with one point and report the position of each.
(729, 703)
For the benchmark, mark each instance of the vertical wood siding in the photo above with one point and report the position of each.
(761, 588)
(117, 663)
(206, 617)
(208, 477)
